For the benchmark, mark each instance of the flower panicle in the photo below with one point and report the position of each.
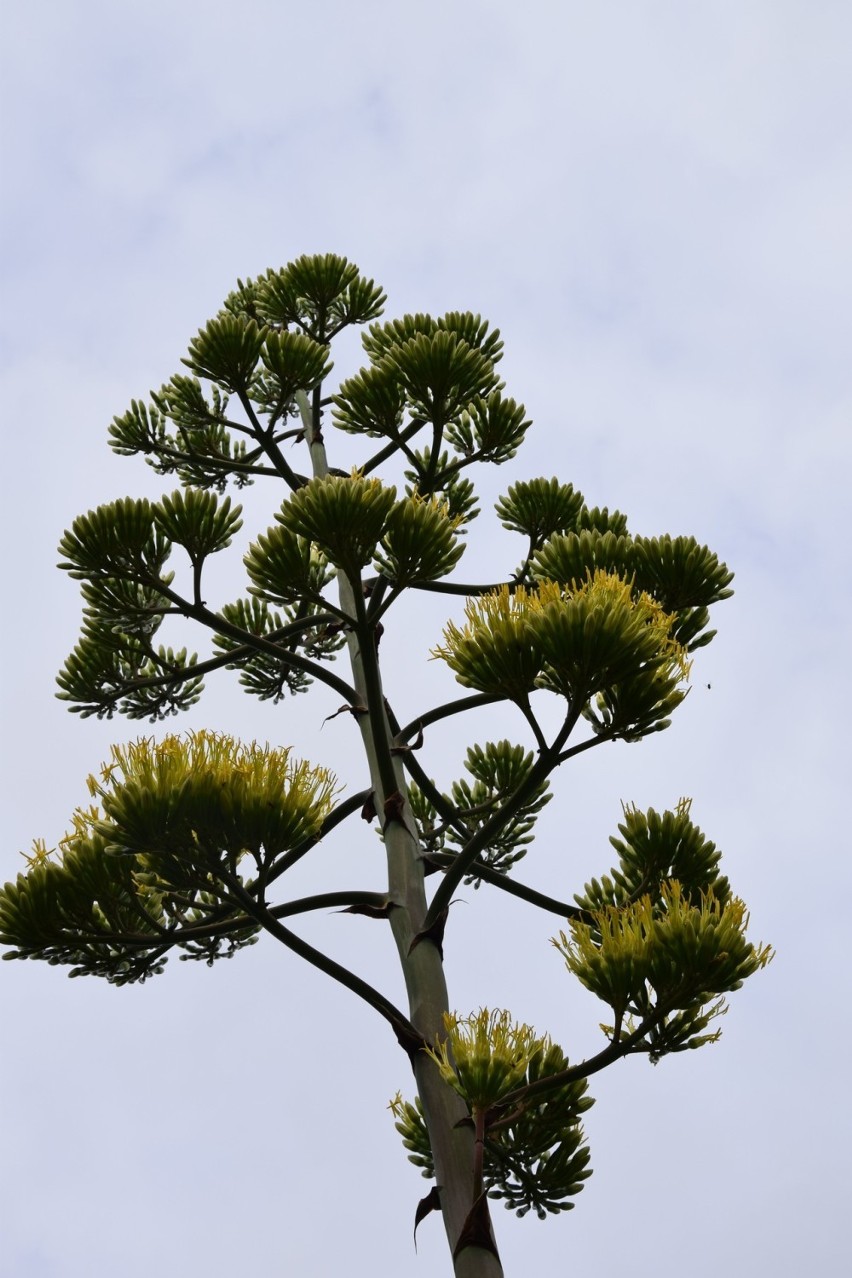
(596, 638)
(486, 1054)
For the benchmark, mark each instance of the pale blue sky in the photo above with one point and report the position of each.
(652, 202)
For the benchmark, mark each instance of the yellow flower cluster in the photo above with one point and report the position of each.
(486, 1055)
(574, 641)
(685, 952)
(207, 790)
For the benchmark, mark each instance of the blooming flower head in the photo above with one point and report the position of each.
(485, 1055)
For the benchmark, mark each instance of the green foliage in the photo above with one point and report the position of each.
(440, 371)
(570, 558)
(538, 508)
(188, 806)
(495, 652)
(680, 573)
(191, 834)
(538, 1160)
(484, 1056)
(371, 403)
(655, 847)
(226, 351)
(117, 605)
(381, 339)
(441, 375)
(156, 866)
(535, 1152)
(498, 770)
(248, 351)
(650, 959)
(85, 911)
(303, 628)
(663, 931)
(598, 636)
(286, 568)
(108, 671)
(118, 552)
(344, 516)
(595, 640)
(183, 402)
(686, 578)
(682, 576)
(320, 295)
(411, 1125)
(419, 542)
(292, 362)
(198, 522)
(489, 429)
(201, 451)
(599, 520)
(120, 540)
(642, 702)
(139, 430)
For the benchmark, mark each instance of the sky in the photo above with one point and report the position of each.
(651, 201)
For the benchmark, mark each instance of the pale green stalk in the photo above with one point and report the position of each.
(447, 1119)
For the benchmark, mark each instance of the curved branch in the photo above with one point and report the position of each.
(198, 612)
(267, 920)
(496, 879)
(439, 801)
(588, 744)
(395, 446)
(232, 658)
(462, 588)
(617, 1049)
(269, 446)
(440, 712)
(229, 465)
(541, 769)
(166, 938)
(527, 711)
(353, 804)
(330, 901)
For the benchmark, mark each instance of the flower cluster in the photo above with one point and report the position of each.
(596, 638)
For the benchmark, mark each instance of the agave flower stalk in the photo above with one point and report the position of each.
(189, 838)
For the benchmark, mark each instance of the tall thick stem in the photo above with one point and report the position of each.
(447, 1119)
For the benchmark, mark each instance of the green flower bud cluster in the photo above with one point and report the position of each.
(349, 521)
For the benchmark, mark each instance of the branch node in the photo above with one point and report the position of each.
(394, 807)
(435, 934)
(432, 1202)
(354, 710)
(476, 1230)
(408, 746)
(371, 911)
(409, 1040)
